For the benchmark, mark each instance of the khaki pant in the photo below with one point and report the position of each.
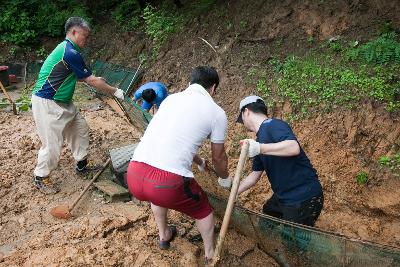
(54, 122)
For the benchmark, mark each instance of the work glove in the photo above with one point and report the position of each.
(119, 94)
(202, 167)
(254, 147)
(225, 183)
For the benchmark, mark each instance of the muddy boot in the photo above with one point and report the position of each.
(45, 186)
(84, 167)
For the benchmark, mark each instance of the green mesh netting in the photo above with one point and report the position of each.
(291, 244)
(32, 71)
(125, 79)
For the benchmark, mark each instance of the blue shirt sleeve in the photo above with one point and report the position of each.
(257, 164)
(282, 132)
(138, 94)
(161, 95)
(75, 62)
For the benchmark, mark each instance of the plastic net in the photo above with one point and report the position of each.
(32, 71)
(125, 79)
(296, 245)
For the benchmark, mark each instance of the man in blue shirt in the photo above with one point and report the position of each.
(152, 93)
(56, 117)
(297, 191)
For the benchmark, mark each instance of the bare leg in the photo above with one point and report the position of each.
(160, 215)
(206, 229)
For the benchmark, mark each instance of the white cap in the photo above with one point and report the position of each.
(245, 101)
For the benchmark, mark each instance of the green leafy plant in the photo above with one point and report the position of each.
(25, 21)
(127, 14)
(384, 49)
(203, 5)
(142, 58)
(391, 162)
(160, 23)
(13, 51)
(318, 82)
(335, 46)
(362, 178)
(262, 87)
(41, 52)
(24, 101)
(243, 24)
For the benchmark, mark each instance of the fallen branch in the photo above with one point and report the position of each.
(208, 44)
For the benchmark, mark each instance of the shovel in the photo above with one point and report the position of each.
(231, 202)
(64, 211)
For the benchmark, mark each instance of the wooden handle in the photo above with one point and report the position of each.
(9, 99)
(231, 202)
(89, 184)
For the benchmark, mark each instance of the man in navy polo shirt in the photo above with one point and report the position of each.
(297, 191)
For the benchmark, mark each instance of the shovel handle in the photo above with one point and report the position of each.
(89, 184)
(231, 202)
(9, 99)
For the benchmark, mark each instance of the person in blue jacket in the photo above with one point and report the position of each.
(151, 94)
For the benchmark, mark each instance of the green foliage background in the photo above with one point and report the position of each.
(25, 21)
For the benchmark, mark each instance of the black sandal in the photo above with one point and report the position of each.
(165, 244)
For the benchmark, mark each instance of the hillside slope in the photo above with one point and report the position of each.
(341, 143)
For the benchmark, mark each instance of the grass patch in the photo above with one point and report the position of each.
(338, 74)
(316, 81)
(391, 162)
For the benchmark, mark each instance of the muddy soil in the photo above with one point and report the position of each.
(101, 233)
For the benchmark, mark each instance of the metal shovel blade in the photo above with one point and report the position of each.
(61, 212)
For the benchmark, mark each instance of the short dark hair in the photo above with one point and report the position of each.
(205, 76)
(76, 21)
(149, 95)
(256, 107)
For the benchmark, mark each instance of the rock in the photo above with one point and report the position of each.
(141, 258)
(159, 262)
(185, 247)
(127, 210)
(239, 249)
(21, 221)
(189, 260)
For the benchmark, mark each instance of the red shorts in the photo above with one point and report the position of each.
(168, 190)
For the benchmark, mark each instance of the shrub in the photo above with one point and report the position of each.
(24, 22)
(160, 23)
(127, 14)
(384, 49)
